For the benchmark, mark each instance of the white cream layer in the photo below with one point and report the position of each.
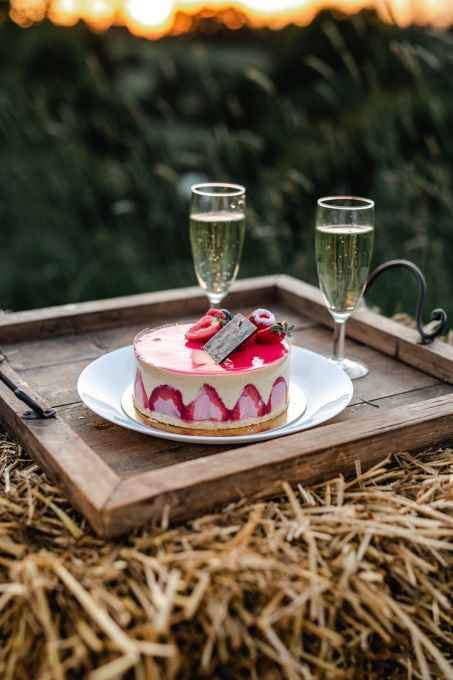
(229, 386)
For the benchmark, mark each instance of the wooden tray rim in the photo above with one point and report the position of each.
(129, 502)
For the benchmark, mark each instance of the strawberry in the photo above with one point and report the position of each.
(274, 334)
(139, 390)
(218, 314)
(203, 329)
(278, 396)
(207, 405)
(167, 401)
(249, 404)
(262, 318)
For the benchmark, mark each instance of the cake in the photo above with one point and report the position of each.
(178, 384)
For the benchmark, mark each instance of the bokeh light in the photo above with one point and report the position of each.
(153, 18)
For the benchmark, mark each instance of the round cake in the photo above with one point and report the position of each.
(177, 383)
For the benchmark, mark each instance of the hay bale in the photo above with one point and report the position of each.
(345, 579)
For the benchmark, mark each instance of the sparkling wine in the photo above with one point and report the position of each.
(217, 239)
(343, 256)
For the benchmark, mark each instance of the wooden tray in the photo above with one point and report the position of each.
(121, 479)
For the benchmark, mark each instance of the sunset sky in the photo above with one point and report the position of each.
(154, 18)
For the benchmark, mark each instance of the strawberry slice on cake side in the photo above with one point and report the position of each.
(207, 405)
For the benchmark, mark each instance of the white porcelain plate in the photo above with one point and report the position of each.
(318, 391)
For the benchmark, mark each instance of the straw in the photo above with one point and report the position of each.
(347, 578)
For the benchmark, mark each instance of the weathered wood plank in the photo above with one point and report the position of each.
(360, 408)
(127, 452)
(145, 308)
(83, 476)
(52, 351)
(56, 384)
(372, 329)
(119, 478)
(387, 376)
(304, 457)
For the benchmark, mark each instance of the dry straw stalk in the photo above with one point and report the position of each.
(346, 579)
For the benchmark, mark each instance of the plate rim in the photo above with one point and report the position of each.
(283, 430)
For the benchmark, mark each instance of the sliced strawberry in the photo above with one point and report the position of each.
(274, 334)
(268, 337)
(139, 390)
(218, 314)
(203, 329)
(278, 396)
(167, 401)
(249, 404)
(262, 318)
(207, 405)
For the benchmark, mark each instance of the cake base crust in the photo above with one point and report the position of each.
(213, 430)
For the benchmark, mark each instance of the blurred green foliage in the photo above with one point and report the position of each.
(102, 135)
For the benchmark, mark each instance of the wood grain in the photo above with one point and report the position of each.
(57, 384)
(360, 408)
(373, 330)
(52, 351)
(119, 479)
(127, 452)
(142, 309)
(304, 457)
(386, 376)
(83, 476)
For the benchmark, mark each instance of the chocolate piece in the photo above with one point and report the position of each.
(229, 338)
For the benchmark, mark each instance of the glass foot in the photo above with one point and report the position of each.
(352, 367)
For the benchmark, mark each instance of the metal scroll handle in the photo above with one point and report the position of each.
(36, 411)
(438, 316)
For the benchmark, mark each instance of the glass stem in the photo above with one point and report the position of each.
(215, 299)
(338, 340)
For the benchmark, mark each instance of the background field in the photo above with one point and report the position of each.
(101, 136)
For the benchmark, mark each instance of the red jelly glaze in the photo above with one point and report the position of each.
(166, 348)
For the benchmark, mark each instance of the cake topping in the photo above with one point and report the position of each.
(227, 313)
(262, 318)
(229, 338)
(273, 334)
(167, 348)
(203, 329)
(218, 314)
(261, 326)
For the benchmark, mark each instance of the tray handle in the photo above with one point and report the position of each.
(438, 316)
(36, 411)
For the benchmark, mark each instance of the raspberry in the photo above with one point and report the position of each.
(262, 318)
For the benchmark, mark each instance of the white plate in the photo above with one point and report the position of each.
(326, 388)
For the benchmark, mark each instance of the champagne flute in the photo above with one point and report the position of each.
(344, 245)
(217, 229)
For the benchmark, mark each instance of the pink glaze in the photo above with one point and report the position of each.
(207, 404)
(166, 348)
